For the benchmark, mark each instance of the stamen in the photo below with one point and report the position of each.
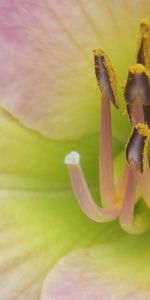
(137, 94)
(135, 150)
(83, 195)
(106, 77)
(135, 113)
(107, 82)
(143, 53)
(126, 218)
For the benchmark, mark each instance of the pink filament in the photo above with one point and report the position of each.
(121, 185)
(107, 187)
(126, 217)
(137, 113)
(85, 200)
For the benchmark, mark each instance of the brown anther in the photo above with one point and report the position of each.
(137, 88)
(105, 75)
(137, 94)
(136, 150)
(143, 52)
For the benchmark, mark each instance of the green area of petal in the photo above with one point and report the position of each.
(117, 270)
(40, 220)
(32, 162)
(36, 229)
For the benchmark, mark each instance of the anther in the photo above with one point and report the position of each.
(105, 75)
(136, 150)
(137, 95)
(137, 87)
(143, 52)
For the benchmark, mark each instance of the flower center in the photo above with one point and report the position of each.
(119, 199)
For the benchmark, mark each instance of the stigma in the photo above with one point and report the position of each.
(136, 171)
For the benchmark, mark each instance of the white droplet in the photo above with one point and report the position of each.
(73, 158)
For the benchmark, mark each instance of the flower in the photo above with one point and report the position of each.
(49, 105)
(119, 199)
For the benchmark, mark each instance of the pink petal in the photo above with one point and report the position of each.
(85, 275)
(36, 228)
(46, 76)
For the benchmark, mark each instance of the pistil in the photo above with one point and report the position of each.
(82, 193)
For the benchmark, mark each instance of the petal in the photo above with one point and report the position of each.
(40, 220)
(47, 75)
(115, 270)
(32, 162)
(36, 228)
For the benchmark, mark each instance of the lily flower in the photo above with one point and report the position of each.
(49, 105)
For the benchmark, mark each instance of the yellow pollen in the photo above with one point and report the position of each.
(145, 153)
(110, 72)
(143, 129)
(144, 42)
(138, 69)
(145, 25)
(98, 52)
